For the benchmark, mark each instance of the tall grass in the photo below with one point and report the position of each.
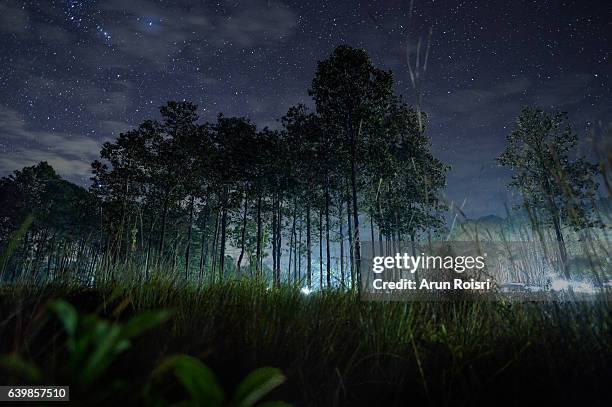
(337, 350)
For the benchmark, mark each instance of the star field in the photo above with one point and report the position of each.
(76, 73)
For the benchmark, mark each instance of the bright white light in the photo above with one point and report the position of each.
(305, 290)
(560, 284)
(582, 287)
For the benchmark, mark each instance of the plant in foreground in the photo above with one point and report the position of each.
(93, 344)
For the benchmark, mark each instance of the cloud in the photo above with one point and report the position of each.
(66, 167)
(103, 100)
(148, 30)
(500, 103)
(250, 25)
(470, 104)
(71, 156)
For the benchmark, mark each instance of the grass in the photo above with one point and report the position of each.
(333, 348)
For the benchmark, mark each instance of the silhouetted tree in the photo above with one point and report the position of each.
(555, 187)
(350, 93)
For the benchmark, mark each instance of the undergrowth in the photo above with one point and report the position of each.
(333, 348)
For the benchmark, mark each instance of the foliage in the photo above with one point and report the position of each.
(218, 198)
(556, 190)
(202, 386)
(330, 343)
(93, 346)
(550, 181)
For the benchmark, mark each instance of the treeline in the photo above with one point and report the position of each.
(205, 200)
(48, 226)
(179, 194)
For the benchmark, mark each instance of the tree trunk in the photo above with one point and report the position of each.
(280, 236)
(296, 248)
(299, 250)
(357, 249)
(327, 253)
(204, 244)
(292, 240)
(175, 251)
(163, 230)
(215, 244)
(554, 213)
(372, 231)
(188, 248)
(320, 249)
(243, 233)
(350, 236)
(274, 240)
(341, 244)
(308, 246)
(223, 234)
(561, 243)
(258, 250)
(413, 243)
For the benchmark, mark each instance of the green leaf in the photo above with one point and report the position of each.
(256, 385)
(196, 378)
(108, 345)
(67, 314)
(144, 321)
(89, 328)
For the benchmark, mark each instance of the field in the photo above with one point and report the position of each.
(333, 348)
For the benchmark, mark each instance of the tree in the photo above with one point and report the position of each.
(234, 143)
(305, 133)
(174, 182)
(123, 179)
(350, 93)
(413, 193)
(64, 219)
(555, 187)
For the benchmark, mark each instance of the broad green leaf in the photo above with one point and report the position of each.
(67, 314)
(108, 345)
(89, 328)
(256, 385)
(196, 378)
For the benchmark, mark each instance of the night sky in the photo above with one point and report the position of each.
(74, 74)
